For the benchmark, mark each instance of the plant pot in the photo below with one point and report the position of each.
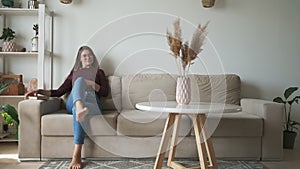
(8, 46)
(208, 3)
(8, 3)
(66, 1)
(289, 139)
(5, 127)
(183, 90)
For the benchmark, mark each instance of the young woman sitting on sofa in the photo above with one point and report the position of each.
(86, 83)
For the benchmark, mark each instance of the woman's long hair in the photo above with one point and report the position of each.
(78, 64)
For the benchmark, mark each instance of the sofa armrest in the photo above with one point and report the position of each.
(273, 115)
(30, 112)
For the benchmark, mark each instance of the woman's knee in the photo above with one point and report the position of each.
(79, 81)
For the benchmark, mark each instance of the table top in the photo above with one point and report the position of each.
(191, 108)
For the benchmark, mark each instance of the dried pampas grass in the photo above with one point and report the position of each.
(186, 53)
(174, 40)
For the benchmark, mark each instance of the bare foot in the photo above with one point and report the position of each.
(75, 164)
(80, 114)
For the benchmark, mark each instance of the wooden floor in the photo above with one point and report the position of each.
(9, 158)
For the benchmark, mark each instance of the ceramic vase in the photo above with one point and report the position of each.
(8, 46)
(34, 44)
(33, 4)
(183, 90)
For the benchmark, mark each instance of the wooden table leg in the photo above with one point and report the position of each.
(202, 153)
(164, 141)
(174, 139)
(208, 143)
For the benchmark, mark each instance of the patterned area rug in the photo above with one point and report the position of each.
(148, 164)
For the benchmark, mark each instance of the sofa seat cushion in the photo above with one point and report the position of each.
(147, 123)
(239, 124)
(62, 124)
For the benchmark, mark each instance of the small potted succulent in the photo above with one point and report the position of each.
(8, 35)
(290, 127)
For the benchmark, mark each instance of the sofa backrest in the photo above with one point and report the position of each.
(162, 87)
(127, 90)
(216, 88)
(147, 87)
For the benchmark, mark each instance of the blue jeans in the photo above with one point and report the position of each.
(90, 100)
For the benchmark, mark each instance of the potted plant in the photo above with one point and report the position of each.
(8, 35)
(34, 40)
(7, 3)
(208, 3)
(185, 53)
(9, 113)
(289, 133)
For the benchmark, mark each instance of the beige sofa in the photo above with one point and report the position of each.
(123, 131)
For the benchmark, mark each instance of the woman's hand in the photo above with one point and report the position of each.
(31, 93)
(94, 85)
(36, 92)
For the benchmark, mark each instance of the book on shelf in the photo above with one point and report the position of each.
(39, 97)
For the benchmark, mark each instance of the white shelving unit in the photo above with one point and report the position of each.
(44, 56)
(42, 13)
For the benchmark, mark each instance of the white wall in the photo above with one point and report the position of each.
(257, 39)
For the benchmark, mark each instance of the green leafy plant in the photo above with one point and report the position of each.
(8, 112)
(8, 34)
(7, 3)
(288, 101)
(3, 88)
(36, 29)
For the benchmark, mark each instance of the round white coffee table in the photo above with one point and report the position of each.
(197, 111)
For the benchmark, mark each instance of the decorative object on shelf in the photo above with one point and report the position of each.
(21, 50)
(185, 54)
(14, 87)
(35, 39)
(66, 1)
(32, 85)
(289, 133)
(7, 3)
(208, 3)
(33, 4)
(8, 36)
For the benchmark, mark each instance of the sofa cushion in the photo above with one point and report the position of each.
(216, 88)
(239, 124)
(113, 100)
(147, 87)
(147, 123)
(62, 124)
